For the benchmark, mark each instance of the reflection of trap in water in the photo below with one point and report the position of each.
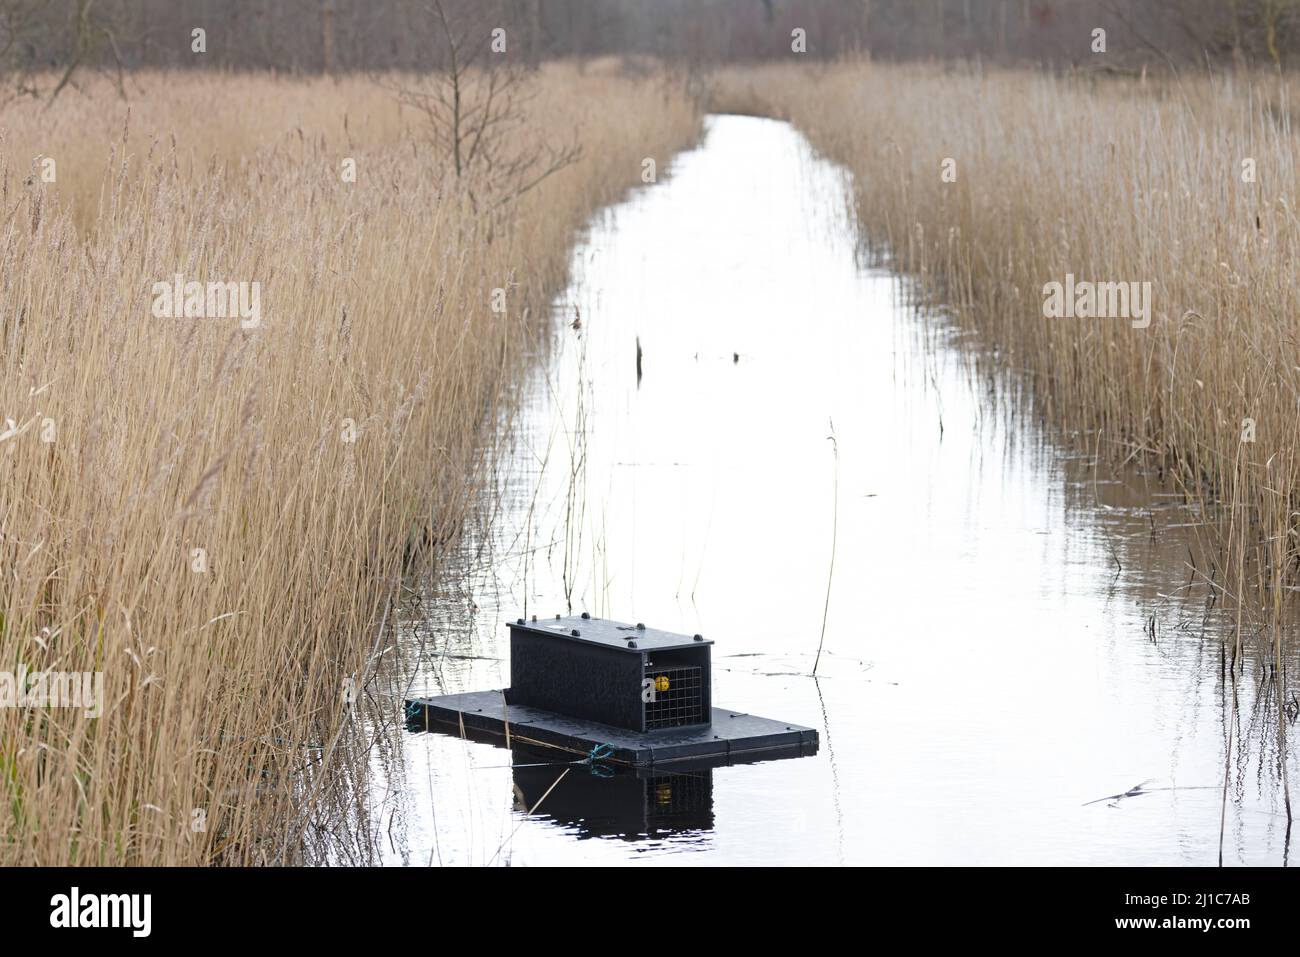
(579, 683)
(631, 803)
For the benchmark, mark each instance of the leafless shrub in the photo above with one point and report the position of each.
(474, 106)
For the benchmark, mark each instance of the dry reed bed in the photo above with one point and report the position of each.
(172, 435)
(1108, 181)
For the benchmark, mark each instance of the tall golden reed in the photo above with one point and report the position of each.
(1190, 184)
(214, 516)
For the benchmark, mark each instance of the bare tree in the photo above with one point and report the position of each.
(23, 24)
(90, 32)
(67, 35)
(327, 34)
(475, 105)
(1275, 16)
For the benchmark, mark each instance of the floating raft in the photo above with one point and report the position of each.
(644, 697)
(731, 736)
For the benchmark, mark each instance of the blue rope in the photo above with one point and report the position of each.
(599, 753)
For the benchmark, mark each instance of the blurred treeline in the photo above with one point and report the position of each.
(348, 35)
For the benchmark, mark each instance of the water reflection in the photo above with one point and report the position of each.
(633, 804)
(1012, 630)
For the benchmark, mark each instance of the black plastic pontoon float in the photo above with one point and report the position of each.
(643, 696)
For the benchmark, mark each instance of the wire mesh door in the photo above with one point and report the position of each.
(677, 697)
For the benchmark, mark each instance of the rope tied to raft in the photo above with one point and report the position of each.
(598, 753)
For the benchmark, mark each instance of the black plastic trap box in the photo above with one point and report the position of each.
(640, 696)
(624, 675)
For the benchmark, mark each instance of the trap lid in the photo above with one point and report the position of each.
(635, 638)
